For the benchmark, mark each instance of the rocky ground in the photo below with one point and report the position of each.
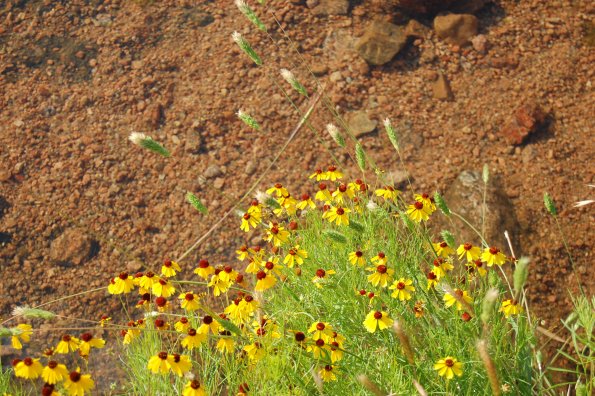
(508, 84)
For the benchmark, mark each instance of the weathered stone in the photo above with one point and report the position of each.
(416, 29)
(465, 197)
(526, 120)
(331, 7)
(399, 177)
(441, 88)
(212, 171)
(456, 28)
(72, 246)
(359, 123)
(381, 42)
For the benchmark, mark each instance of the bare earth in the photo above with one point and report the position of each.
(79, 203)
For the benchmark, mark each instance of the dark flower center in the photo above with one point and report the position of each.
(377, 315)
(467, 246)
(160, 301)
(299, 336)
(320, 326)
(400, 285)
(203, 264)
(87, 337)
(494, 250)
(381, 269)
(75, 376)
(207, 320)
(189, 297)
(320, 273)
(195, 384)
(28, 361)
(449, 362)
(418, 205)
(52, 364)
(261, 275)
(123, 276)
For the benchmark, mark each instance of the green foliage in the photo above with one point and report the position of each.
(195, 202)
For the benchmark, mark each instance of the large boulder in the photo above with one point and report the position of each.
(381, 42)
(465, 197)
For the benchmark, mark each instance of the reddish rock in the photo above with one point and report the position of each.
(526, 120)
(72, 246)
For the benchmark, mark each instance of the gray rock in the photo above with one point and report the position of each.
(72, 246)
(212, 172)
(381, 42)
(399, 178)
(359, 123)
(456, 29)
(465, 197)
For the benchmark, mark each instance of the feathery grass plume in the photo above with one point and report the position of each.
(356, 226)
(441, 203)
(335, 236)
(405, 344)
(369, 385)
(580, 389)
(249, 13)
(27, 312)
(448, 238)
(549, 204)
(335, 134)
(248, 120)
(293, 81)
(485, 175)
(487, 307)
(144, 141)
(390, 132)
(521, 272)
(482, 349)
(583, 203)
(360, 157)
(245, 46)
(195, 202)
